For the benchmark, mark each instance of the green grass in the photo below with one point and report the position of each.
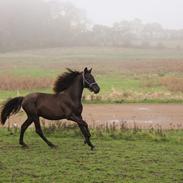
(33, 72)
(4, 94)
(129, 158)
(119, 82)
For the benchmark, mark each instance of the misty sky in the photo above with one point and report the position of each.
(169, 13)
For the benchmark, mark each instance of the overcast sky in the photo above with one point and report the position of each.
(167, 12)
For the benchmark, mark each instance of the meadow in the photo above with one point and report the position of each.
(125, 75)
(134, 156)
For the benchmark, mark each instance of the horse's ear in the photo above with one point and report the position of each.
(90, 70)
(85, 70)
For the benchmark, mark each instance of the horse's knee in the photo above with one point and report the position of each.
(84, 124)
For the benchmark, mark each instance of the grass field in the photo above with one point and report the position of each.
(124, 74)
(128, 157)
(122, 155)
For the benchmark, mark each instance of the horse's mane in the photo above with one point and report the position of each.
(65, 80)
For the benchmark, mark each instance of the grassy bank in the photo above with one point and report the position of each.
(134, 157)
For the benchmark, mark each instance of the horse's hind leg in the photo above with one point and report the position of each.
(24, 126)
(40, 132)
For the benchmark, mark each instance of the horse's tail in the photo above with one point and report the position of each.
(11, 106)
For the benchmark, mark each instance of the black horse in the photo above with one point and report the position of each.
(65, 103)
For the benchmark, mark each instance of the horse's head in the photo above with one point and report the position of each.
(89, 81)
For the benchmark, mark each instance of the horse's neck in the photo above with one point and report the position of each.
(76, 89)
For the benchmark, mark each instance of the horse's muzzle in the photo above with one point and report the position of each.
(95, 88)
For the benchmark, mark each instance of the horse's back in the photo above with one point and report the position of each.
(33, 99)
(43, 105)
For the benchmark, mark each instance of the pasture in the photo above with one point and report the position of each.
(133, 156)
(128, 155)
(125, 75)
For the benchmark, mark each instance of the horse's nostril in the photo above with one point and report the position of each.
(98, 89)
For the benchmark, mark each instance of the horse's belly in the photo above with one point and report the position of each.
(52, 117)
(51, 113)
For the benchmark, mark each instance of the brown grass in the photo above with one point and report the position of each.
(150, 82)
(133, 96)
(101, 128)
(173, 83)
(24, 83)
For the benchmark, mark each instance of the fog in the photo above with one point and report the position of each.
(26, 24)
(166, 12)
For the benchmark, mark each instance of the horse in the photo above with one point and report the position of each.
(64, 103)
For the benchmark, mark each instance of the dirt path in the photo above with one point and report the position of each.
(143, 115)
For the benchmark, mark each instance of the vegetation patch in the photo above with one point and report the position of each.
(129, 156)
(125, 75)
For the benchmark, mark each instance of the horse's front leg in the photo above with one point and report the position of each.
(86, 126)
(84, 129)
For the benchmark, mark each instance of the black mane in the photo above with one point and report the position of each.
(65, 80)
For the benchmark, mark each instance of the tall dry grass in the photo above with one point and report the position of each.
(111, 130)
(132, 96)
(173, 83)
(150, 82)
(24, 83)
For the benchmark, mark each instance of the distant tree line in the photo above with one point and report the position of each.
(26, 24)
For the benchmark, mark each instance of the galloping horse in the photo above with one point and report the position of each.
(65, 103)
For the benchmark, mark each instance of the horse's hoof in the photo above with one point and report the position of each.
(85, 142)
(53, 146)
(92, 148)
(24, 146)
